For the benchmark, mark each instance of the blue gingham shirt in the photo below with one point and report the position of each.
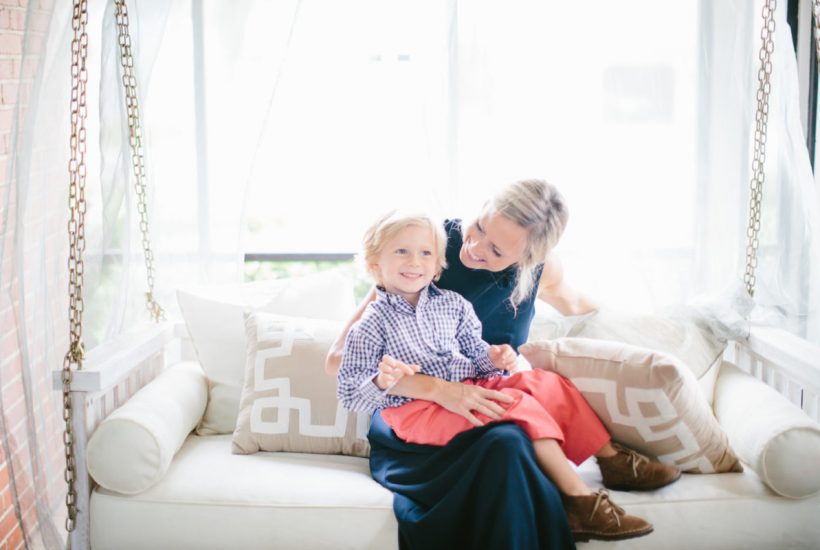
(441, 334)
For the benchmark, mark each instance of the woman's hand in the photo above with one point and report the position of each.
(463, 399)
(392, 370)
(503, 357)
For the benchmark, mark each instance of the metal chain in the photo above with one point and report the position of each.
(759, 160)
(76, 240)
(129, 82)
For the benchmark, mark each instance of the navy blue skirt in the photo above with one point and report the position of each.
(484, 490)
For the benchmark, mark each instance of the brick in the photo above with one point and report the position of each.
(9, 92)
(10, 364)
(4, 517)
(8, 343)
(9, 524)
(15, 540)
(8, 69)
(14, 381)
(16, 412)
(17, 20)
(10, 43)
(6, 120)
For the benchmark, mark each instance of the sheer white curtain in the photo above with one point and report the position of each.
(207, 77)
(206, 73)
(362, 122)
(642, 114)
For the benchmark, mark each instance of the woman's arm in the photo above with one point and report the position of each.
(334, 356)
(554, 290)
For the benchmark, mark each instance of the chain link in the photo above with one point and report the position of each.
(764, 74)
(76, 241)
(129, 82)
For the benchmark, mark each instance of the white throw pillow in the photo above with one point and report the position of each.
(132, 448)
(214, 317)
(777, 439)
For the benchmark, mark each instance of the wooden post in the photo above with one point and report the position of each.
(80, 538)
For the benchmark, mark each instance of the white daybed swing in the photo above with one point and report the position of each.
(178, 490)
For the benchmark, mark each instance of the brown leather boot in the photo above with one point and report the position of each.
(629, 470)
(596, 517)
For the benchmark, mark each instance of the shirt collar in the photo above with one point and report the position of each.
(398, 302)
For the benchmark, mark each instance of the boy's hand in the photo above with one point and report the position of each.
(392, 370)
(503, 357)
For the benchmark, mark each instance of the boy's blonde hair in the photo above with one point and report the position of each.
(386, 227)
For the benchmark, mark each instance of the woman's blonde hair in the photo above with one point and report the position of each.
(386, 227)
(538, 207)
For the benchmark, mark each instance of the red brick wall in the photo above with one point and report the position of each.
(17, 475)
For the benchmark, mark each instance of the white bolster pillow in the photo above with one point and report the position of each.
(769, 433)
(132, 448)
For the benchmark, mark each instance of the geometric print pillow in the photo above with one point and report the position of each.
(288, 402)
(648, 400)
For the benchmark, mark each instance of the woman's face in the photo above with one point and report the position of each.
(493, 242)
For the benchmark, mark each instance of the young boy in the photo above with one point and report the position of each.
(415, 327)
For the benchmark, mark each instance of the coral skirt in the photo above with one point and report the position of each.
(545, 405)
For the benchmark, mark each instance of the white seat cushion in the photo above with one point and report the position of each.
(212, 498)
(721, 511)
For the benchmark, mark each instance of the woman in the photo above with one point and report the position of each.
(483, 489)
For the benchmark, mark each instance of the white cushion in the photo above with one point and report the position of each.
(214, 317)
(133, 447)
(718, 512)
(211, 498)
(777, 439)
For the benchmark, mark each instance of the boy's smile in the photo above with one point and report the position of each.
(408, 262)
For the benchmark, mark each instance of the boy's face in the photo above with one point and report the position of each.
(408, 262)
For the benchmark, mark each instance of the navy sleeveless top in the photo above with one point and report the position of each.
(489, 292)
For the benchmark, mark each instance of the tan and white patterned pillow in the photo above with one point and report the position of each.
(288, 403)
(683, 332)
(647, 400)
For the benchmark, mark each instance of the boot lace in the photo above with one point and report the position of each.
(603, 501)
(634, 458)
